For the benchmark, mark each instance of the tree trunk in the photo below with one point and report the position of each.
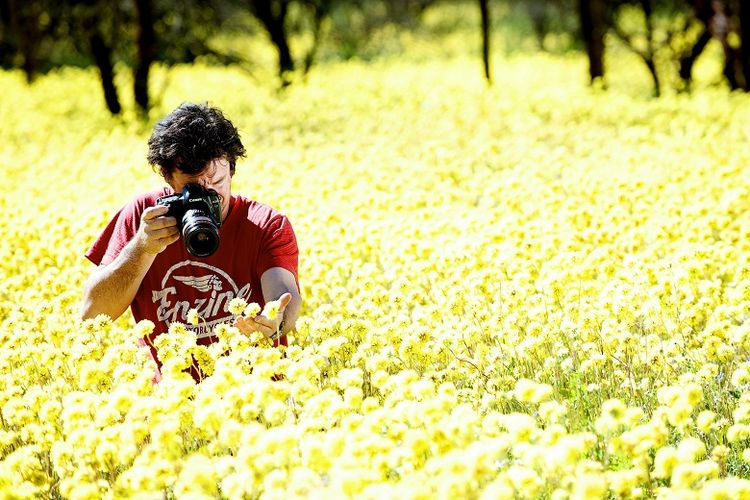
(719, 24)
(103, 58)
(7, 48)
(654, 75)
(650, 62)
(273, 16)
(25, 38)
(318, 14)
(484, 8)
(686, 63)
(731, 59)
(593, 27)
(146, 46)
(744, 14)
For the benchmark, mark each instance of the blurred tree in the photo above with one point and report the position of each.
(88, 26)
(485, 11)
(354, 24)
(319, 10)
(678, 31)
(703, 12)
(23, 21)
(548, 16)
(725, 25)
(36, 35)
(145, 50)
(641, 41)
(272, 13)
(7, 49)
(592, 15)
(42, 34)
(405, 12)
(744, 29)
(723, 21)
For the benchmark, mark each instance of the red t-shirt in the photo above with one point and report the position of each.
(253, 238)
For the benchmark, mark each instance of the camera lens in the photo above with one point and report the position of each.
(200, 233)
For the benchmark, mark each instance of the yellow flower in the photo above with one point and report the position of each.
(740, 376)
(198, 477)
(691, 448)
(271, 309)
(693, 394)
(520, 426)
(193, 317)
(720, 453)
(679, 413)
(379, 378)
(614, 409)
(612, 415)
(684, 475)
(738, 432)
(237, 305)
(144, 327)
(741, 414)
(528, 391)
(525, 481)
(524, 390)
(665, 461)
(552, 411)
(592, 485)
(252, 310)
(705, 420)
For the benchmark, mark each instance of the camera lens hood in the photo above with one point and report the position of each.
(200, 233)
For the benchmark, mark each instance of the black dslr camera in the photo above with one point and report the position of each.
(198, 214)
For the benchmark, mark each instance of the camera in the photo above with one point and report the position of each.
(198, 214)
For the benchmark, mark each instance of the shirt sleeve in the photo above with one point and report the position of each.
(278, 247)
(116, 235)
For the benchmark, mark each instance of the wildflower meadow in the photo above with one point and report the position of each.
(534, 289)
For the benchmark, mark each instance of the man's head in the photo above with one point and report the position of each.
(196, 143)
(189, 138)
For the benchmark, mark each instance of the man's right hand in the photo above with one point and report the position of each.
(157, 231)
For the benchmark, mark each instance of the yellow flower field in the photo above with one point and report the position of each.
(534, 289)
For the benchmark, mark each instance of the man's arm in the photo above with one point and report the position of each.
(112, 287)
(276, 282)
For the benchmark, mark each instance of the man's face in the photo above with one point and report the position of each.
(216, 175)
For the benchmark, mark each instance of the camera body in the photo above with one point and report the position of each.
(198, 214)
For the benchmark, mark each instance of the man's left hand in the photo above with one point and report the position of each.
(263, 324)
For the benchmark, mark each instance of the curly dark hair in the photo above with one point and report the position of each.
(191, 136)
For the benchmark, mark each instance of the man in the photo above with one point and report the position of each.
(143, 263)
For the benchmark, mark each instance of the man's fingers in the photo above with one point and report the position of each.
(171, 239)
(160, 223)
(245, 325)
(284, 301)
(163, 232)
(263, 321)
(154, 212)
(266, 330)
(250, 325)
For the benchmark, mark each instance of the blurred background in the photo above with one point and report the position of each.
(279, 42)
